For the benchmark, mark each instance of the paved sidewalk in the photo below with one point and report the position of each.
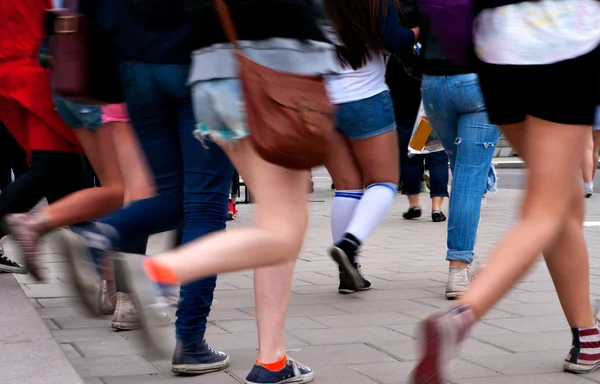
(365, 338)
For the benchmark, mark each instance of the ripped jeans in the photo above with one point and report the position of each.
(457, 113)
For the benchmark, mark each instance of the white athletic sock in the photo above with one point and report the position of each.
(342, 211)
(371, 210)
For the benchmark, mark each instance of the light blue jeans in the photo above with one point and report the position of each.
(456, 110)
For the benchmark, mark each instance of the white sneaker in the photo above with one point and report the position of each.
(126, 316)
(458, 281)
(589, 190)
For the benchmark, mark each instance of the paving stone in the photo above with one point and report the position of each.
(87, 334)
(408, 350)
(555, 378)
(59, 302)
(395, 372)
(535, 324)
(306, 310)
(60, 312)
(48, 290)
(530, 342)
(82, 322)
(112, 347)
(523, 363)
(290, 324)
(113, 366)
(347, 335)
(364, 319)
(168, 378)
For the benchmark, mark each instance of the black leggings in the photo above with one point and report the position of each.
(12, 158)
(53, 175)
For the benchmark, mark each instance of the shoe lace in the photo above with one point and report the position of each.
(6, 260)
(212, 350)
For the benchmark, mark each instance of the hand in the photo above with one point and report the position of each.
(417, 32)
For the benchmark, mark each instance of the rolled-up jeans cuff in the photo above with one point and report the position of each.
(464, 256)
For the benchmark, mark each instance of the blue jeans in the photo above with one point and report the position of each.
(457, 113)
(192, 181)
(411, 173)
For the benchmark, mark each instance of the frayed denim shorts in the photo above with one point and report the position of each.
(79, 115)
(219, 110)
(367, 118)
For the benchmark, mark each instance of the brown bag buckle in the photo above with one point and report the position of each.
(66, 24)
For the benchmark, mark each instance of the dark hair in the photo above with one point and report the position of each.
(357, 24)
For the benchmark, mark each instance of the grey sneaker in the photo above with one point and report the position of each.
(152, 307)
(107, 300)
(126, 316)
(458, 281)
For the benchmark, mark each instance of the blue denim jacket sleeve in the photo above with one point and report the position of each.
(394, 38)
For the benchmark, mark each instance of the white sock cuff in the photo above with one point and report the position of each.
(391, 186)
(356, 194)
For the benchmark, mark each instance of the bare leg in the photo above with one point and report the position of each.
(542, 223)
(587, 160)
(596, 153)
(272, 286)
(90, 203)
(413, 201)
(138, 179)
(278, 231)
(437, 202)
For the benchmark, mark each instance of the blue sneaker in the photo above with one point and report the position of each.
(293, 372)
(85, 248)
(196, 357)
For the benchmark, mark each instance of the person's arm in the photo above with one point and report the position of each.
(395, 38)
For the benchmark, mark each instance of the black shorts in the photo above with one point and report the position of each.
(566, 92)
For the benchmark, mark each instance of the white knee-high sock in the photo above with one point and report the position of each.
(371, 210)
(342, 211)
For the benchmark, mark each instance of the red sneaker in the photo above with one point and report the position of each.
(232, 211)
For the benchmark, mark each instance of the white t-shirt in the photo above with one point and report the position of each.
(352, 85)
(541, 32)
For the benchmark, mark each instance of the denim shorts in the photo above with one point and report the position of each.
(219, 110)
(79, 115)
(366, 118)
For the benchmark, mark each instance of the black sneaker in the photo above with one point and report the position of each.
(293, 372)
(413, 213)
(196, 357)
(346, 289)
(7, 265)
(438, 216)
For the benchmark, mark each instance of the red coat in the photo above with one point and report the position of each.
(26, 104)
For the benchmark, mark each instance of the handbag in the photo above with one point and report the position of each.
(290, 117)
(84, 65)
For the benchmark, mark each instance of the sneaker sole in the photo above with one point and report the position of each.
(159, 339)
(28, 268)
(579, 368)
(355, 280)
(86, 283)
(307, 378)
(431, 370)
(453, 295)
(9, 269)
(351, 291)
(125, 326)
(200, 369)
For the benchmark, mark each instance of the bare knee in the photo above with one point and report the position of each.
(287, 231)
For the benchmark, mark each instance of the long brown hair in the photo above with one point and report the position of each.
(357, 24)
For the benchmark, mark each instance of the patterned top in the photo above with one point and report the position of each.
(537, 32)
